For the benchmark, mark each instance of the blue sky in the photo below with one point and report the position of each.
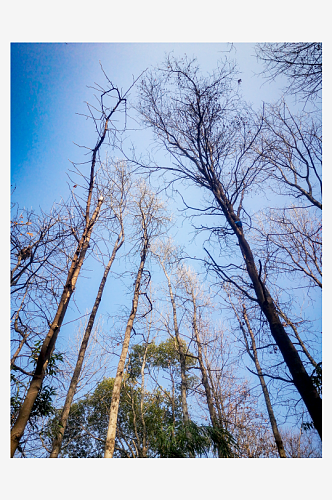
(49, 86)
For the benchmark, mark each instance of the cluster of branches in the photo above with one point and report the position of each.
(300, 62)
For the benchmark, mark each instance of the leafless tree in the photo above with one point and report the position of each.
(234, 398)
(165, 255)
(252, 351)
(293, 239)
(210, 138)
(301, 444)
(90, 213)
(198, 301)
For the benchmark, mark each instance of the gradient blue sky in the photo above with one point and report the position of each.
(49, 86)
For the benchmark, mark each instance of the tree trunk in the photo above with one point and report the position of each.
(254, 356)
(111, 432)
(205, 380)
(180, 350)
(75, 378)
(301, 379)
(182, 357)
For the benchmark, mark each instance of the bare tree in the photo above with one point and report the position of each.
(149, 220)
(165, 253)
(117, 202)
(293, 240)
(234, 398)
(301, 444)
(200, 123)
(37, 267)
(91, 212)
(300, 62)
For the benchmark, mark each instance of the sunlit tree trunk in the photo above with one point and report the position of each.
(179, 348)
(205, 379)
(49, 342)
(111, 431)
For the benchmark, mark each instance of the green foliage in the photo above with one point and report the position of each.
(52, 366)
(157, 417)
(43, 406)
(198, 440)
(86, 429)
(163, 356)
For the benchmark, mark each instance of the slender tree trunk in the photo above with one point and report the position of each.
(254, 357)
(182, 357)
(301, 379)
(205, 380)
(111, 432)
(218, 402)
(75, 378)
(180, 350)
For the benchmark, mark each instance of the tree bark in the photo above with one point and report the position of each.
(77, 261)
(180, 350)
(111, 432)
(205, 380)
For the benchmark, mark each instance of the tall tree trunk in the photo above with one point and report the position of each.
(77, 261)
(75, 378)
(182, 357)
(111, 431)
(205, 380)
(254, 357)
(301, 379)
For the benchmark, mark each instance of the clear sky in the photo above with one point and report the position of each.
(49, 86)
